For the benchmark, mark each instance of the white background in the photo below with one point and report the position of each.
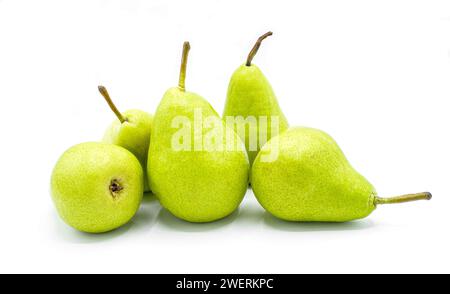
(373, 74)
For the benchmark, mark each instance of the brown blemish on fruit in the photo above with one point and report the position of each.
(115, 187)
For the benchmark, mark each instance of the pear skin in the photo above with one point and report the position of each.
(194, 183)
(312, 181)
(130, 130)
(97, 187)
(250, 95)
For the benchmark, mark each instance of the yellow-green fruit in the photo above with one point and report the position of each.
(311, 180)
(251, 97)
(97, 187)
(195, 181)
(130, 130)
(134, 135)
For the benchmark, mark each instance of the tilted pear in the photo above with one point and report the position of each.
(194, 182)
(251, 98)
(311, 180)
(131, 130)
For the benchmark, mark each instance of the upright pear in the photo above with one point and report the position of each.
(192, 169)
(311, 180)
(252, 103)
(131, 130)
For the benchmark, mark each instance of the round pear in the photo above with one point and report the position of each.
(97, 187)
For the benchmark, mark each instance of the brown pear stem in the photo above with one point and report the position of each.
(403, 198)
(184, 58)
(113, 107)
(256, 47)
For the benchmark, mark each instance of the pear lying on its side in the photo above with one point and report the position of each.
(131, 130)
(97, 187)
(194, 182)
(251, 97)
(311, 180)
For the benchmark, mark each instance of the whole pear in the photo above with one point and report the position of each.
(193, 174)
(130, 130)
(251, 101)
(311, 180)
(97, 187)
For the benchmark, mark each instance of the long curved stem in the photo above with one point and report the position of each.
(184, 58)
(113, 107)
(403, 198)
(256, 47)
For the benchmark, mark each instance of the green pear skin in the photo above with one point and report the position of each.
(251, 95)
(97, 187)
(312, 181)
(194, 185)
(133, 135)
(132, 131)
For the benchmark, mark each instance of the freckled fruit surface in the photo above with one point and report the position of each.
(97, 187)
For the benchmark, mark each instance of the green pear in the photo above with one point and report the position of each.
(194, 174)
(252, 103)
(131, 130)
(310, 179)
(97, 187)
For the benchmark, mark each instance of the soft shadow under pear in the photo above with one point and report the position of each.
(71, 235)
(279, 224)
(170, 221)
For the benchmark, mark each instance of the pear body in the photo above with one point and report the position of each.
(251, 95)
(311, 180)
(133, 135)
(97, 187)
(194, 185)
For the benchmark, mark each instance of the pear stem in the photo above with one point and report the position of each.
(113, 107)
(403, 198)
(184, 58)
(256, 47)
